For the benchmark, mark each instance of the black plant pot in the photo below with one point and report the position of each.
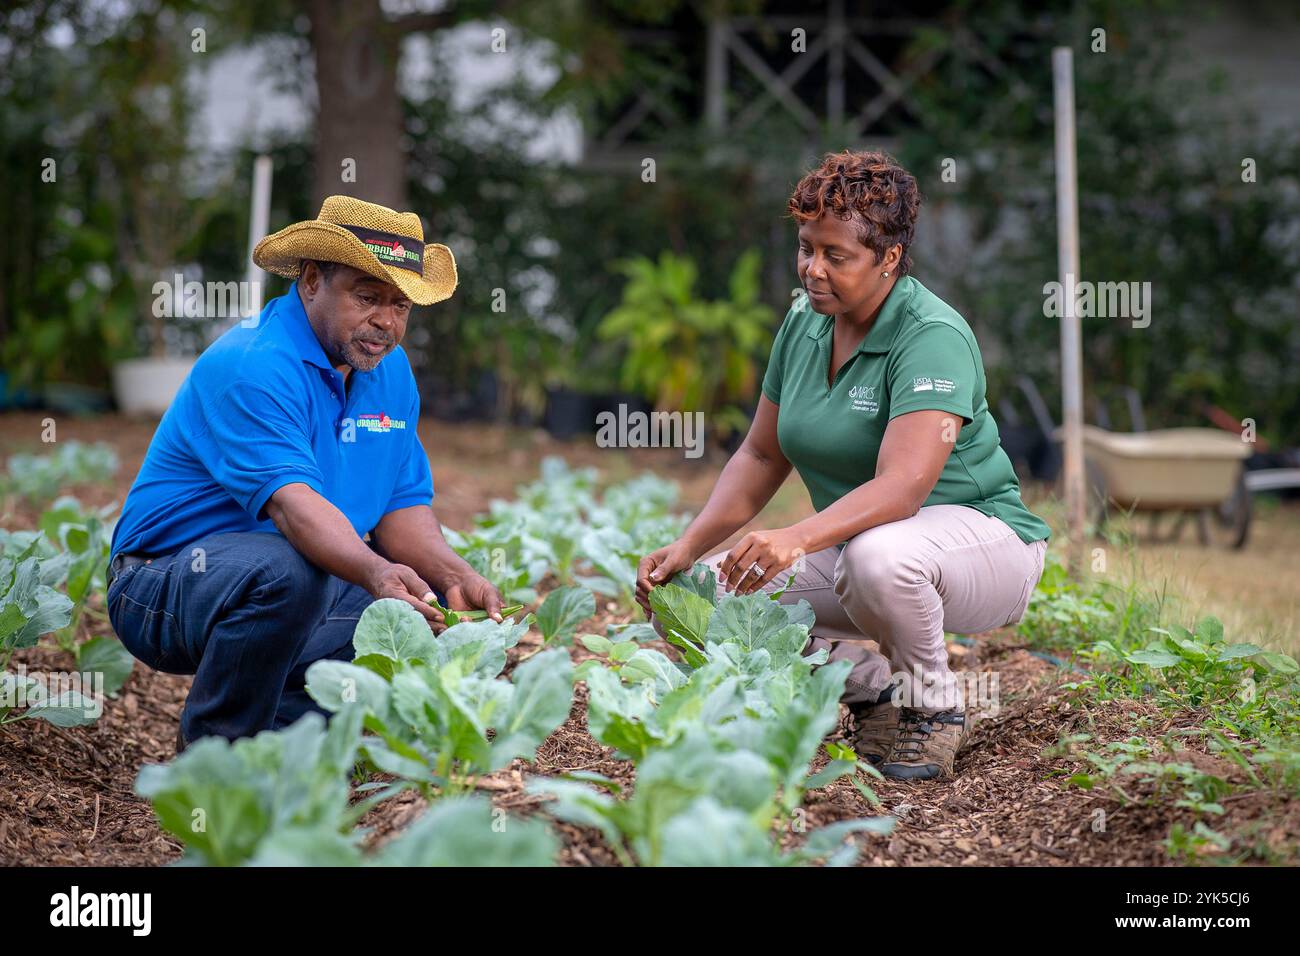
(610, 401)
(568, 413)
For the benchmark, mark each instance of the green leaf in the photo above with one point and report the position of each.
(109, 657)
(336, 684)
(700, 579)
(1229, 652)
(617, 715)
(623, 651)
(381, 664)
(649, 665)
(393, 628)
(684, 616)
(563, 610)
(1209, 630)
(597, 644)
(466, 831)
(67, 709)
(224, 799)
(1154, 655)
(1282, 663)
(707, 833)
(828, 842)
(303, 846)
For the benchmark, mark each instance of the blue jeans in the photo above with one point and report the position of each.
(246, 614)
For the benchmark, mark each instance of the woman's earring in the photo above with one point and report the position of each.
(884, 275)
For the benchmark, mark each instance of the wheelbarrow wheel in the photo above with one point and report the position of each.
(1228, 523)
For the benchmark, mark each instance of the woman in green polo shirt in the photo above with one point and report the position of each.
(874, 393)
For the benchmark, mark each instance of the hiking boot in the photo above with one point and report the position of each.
(870, 730)
(926, 745)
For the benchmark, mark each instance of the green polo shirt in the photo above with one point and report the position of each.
(919, 354)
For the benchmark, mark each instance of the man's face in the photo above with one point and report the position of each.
(358, 318)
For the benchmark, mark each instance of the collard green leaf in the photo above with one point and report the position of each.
(465, 831)
(109, 657)
(336, 684)
(479, 647)
(684, 616)
(618, 715)
(68, 708)
(706, 833)
(223, 799)
(563, 610)
(700, 579)
(395, 629)
(650, 666)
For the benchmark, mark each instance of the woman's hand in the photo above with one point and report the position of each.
(759, 557)
(658, 567)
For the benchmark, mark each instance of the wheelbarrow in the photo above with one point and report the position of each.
(1194, 474)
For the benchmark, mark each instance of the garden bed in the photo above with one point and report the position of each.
(1035, 785)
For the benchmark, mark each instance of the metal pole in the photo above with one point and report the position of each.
(258, 218)
(1067, 239)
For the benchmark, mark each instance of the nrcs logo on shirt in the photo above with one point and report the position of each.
(863, 399)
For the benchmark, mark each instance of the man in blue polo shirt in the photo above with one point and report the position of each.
(239, 557)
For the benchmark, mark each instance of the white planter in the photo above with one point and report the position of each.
(147, 386)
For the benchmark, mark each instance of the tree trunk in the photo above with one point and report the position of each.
(359, 116)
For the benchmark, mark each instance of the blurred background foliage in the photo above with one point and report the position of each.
(551, 251)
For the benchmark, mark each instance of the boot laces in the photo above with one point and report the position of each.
(914, 731)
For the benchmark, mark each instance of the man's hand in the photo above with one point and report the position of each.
(398, 581)
(472, 592)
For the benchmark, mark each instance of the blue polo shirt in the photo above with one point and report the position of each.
(263, 408)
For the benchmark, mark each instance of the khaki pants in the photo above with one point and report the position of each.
(884, 599)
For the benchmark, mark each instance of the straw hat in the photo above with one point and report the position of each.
(380, 242)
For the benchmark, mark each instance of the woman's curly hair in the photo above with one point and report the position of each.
(869, 188)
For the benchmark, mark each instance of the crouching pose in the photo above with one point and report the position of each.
(874, 392)
(239, 557)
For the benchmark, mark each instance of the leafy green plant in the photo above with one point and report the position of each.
(38, 477)
(722, 742)
(561, 526)
(684, 353)
(225, 801)
(464, 831)
(431, 701)
(28, 607)
(562, 611)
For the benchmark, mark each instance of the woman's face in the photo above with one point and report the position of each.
(842, 275)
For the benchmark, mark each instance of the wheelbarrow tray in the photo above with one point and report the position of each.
(1171, 468)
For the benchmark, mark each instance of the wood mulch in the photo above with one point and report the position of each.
(66, 795)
